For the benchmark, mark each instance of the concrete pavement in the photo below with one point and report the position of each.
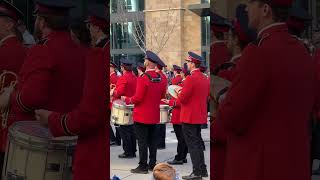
(121, 167)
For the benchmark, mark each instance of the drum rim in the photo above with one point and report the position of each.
(124, 107)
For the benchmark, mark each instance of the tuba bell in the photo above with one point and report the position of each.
(7, 79)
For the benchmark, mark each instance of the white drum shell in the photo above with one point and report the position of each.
(38, 158)
(121, 114)
(164, 114)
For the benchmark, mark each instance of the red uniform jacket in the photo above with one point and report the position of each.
(12, 54)
(267, 110)
(175, 103)
(177, 80)
(218, 135)
(194, 97)
(218, 54)
(147, 99)
(89, 122)
(51, 77)
(113, 80)
(126, 85)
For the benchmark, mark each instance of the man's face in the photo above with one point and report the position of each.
(111, 69)
(6, 26)
(38, 27)
(94, 30)
(256, 12)
(190, 65)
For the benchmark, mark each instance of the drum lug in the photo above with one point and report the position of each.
(11, 176)
(52, 167)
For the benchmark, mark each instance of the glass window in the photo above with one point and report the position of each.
(130, 5)
(135, 57)
(123, 35)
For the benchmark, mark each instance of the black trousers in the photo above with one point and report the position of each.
(146, 135)
(129, 141)
(115, 137)
(182, 148)
(2, 156)
(161, 136)
(192, 135)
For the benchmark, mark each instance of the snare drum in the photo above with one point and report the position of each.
(164, 114)
(32, 153)
(121, 113)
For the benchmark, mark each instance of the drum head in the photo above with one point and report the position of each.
(33, 135)
(172, 92)
(164, 106)
(121, 104)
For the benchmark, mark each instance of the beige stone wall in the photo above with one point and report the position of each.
(226, 8)
(186, 35)
(192, 31)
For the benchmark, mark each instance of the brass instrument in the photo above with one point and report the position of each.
(4, 83)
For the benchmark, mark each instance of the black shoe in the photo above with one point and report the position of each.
(192, 176)
(126, 156)
(151, 167)
(185, 161)
(140, 170)
(204, 126)
(118, 144)
(204, 173)
(175, 162)
(172, 131)
(316, 172)
(112, 143)
(161, 148)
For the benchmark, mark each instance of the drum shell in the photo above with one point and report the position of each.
(38, 158)
(164, 114)
(122, 114)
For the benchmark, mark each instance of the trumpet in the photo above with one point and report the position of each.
(7, 79)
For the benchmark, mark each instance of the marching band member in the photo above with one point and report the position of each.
(297, 23)
(126, 86)
(161, 128)
(194, 96)
(52, 75)
(177, 80)
(141, 69)
(98, 25)
(266, 112)
(218, 49)
(87, 121)
(182, 149)
(240, 37)
(12, 53)
(146, 114)
(115, 139)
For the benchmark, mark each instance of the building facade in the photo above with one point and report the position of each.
(191, 30)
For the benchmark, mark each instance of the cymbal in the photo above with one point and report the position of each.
(218, 84)
(172, 92)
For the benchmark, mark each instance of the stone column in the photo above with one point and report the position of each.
(186, 35)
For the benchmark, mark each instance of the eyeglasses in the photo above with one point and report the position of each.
(188, 61)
